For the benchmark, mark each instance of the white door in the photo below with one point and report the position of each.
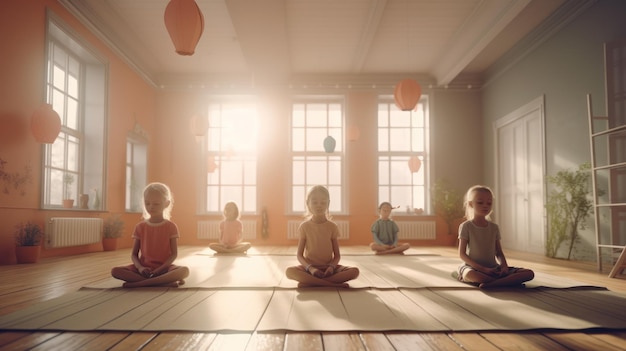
(519, 203)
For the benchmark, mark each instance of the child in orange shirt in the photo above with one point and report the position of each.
(318, 248)
(155, 244)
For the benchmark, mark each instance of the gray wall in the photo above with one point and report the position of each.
(566, 67)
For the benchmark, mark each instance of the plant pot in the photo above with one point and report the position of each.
(109, 244)
(27, 254)
(83, 201)
(68, 203)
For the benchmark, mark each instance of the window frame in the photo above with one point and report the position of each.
(338, 155)
(89, 134)
(401, 158)
(247, 159)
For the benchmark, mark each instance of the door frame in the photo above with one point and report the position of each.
(537, 104)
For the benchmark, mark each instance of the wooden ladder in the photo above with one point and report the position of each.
(620, 265)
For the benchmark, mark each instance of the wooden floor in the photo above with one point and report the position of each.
(25, 285)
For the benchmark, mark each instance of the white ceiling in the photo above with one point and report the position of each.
(282, 41)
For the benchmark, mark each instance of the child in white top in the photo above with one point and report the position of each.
(231, 232)
(480, 247)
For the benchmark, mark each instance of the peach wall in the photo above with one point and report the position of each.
(21, 92)
(165, 115)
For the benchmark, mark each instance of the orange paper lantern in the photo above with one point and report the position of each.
(407, 94)
(45, 124)
(414, 164)
(184, 22)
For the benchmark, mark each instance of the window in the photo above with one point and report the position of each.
(229, 157)
(317, 151)
(74, 163)
(402, 135)
(136, 168)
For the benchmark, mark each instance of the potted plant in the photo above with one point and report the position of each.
(68, 180)
(27, 242)
(568, 207)
(448, 204)
(112, 229)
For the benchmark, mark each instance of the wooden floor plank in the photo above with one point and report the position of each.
(614, 339)
(104, 341)
(266, 341)
(135, 341)
(472, 342)
(422, 341)
(29, 341)
(67, 341)
(342, 342)
(376, 342)
(307, 341)
(583, 342)
(522, 341)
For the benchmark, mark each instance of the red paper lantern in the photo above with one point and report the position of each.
(407, 94)
(199, 125)
(414, 164)
(184, 22)
(45, 124)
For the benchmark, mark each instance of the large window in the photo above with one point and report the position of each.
(229, 157)
(402, 140)
(75, 86)
(317, 151)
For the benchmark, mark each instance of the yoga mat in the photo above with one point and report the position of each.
(324, 309)
(376, 271)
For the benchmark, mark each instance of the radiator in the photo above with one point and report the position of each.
(344, 229)
(417, 230)
(211, 229)
(63, 232)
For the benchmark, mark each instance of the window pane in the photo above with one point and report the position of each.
(297, 116)
(72, 114)
(335, 199)
(399, 139)
(298, 139)
(249, 204)
(316, 115)
(231, 171)
(316, 171)
(418, 140)
(399, 118)
(334, 115)
(298, 196)
(59, 78)
(298, 168)
(334, 171)
(383, 139)
(315, 139)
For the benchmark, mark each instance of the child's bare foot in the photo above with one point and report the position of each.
(181, 282)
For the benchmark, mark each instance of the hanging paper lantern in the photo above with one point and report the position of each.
(329, 144)
(184, 22)
(199, 125)
(414, 164)
(45, 124)
(407, 94)
(211, 165)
